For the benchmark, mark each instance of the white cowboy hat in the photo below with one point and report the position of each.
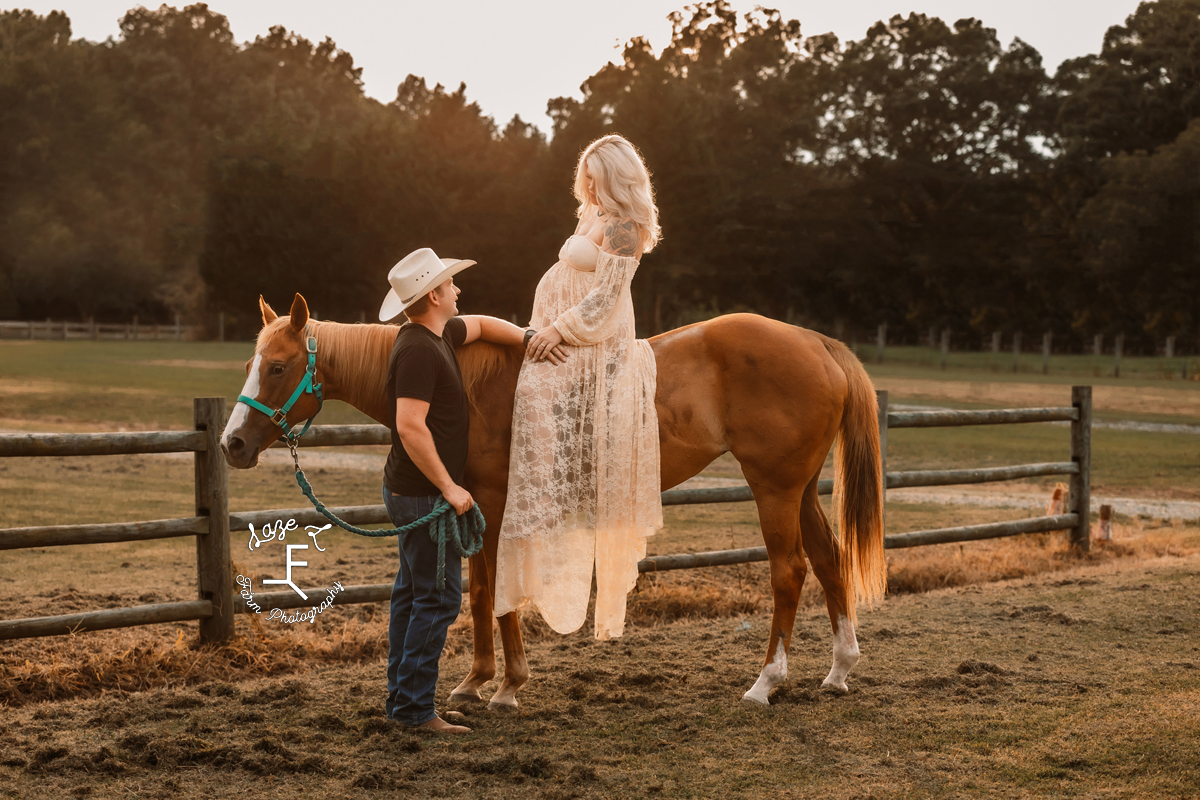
(415, 275)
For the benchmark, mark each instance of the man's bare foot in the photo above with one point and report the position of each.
(439, 726)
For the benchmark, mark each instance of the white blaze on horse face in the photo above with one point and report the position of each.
(845, 656)
(240, 410)
(773, 674)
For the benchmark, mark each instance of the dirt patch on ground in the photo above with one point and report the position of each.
(1184, 402)
(1083, 682)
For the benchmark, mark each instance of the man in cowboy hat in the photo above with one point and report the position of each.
(427, 460)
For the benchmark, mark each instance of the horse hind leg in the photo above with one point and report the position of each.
(822, 552)
(778, 514)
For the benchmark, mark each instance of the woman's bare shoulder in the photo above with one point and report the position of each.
(622, 236)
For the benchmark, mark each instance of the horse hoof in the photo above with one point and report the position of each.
(755, 701)
(502, 707)
(833, 688)
(465, 699)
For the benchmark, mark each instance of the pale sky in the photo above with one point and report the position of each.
(514, 55)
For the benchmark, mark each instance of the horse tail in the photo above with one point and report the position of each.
(858, 485)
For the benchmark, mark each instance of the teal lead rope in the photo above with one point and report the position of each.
(464, 534)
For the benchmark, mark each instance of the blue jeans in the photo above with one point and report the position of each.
(421, 614)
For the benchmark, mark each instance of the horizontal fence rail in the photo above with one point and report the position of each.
(967, 533)
(343, 436)
(103, 533)
(101, 444)
(349, 595)
(949, 418)
(105, 620)
(991, 530)
(956, 477)
(212, 532)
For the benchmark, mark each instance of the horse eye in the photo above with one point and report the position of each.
(277, 369)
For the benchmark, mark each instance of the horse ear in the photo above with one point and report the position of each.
(268, 313)
(299, 313)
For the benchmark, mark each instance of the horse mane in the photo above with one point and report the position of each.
(481, 360)
(359, 353)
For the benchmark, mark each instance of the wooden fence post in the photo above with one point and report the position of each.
(1016, 349)
(178, 331)
(945, 345)
(995, 341)
(1117, 348)
(1170, 347)
(1081, 454)
(880, 343)
(214, 570)
(92, 330)
(1046, 339)
(1098, 345)
(882, 398)
(221, 326)
(135, 327)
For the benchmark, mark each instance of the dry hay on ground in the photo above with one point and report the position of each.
(1078, 683)
(148, 658)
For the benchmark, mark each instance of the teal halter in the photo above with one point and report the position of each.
(307, 386)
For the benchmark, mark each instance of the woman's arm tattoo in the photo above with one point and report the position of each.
(622, 237)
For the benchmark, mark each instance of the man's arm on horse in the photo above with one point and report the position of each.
(418, 443)
(497, 331)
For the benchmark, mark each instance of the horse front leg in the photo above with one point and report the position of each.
(821, 547)
(483, 663)
(483, 583)
(516, 667)
(779, 516)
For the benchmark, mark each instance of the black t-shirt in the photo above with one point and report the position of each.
(423, 366)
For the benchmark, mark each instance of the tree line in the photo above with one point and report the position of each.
(925, 176)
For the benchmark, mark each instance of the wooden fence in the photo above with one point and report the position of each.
(217, 600)
(132, 331)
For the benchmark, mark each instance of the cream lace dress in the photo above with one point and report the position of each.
(583, 479)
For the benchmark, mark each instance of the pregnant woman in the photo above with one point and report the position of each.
(583, 485)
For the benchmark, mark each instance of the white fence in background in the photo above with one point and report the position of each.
(130, 331)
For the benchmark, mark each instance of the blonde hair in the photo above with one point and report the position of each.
(622, 185)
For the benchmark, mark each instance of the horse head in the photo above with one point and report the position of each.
(278, 367)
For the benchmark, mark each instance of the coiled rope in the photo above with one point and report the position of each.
(463, 533)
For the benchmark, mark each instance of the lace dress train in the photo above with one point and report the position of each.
(583, 484)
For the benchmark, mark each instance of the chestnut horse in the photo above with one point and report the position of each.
(774, 395)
